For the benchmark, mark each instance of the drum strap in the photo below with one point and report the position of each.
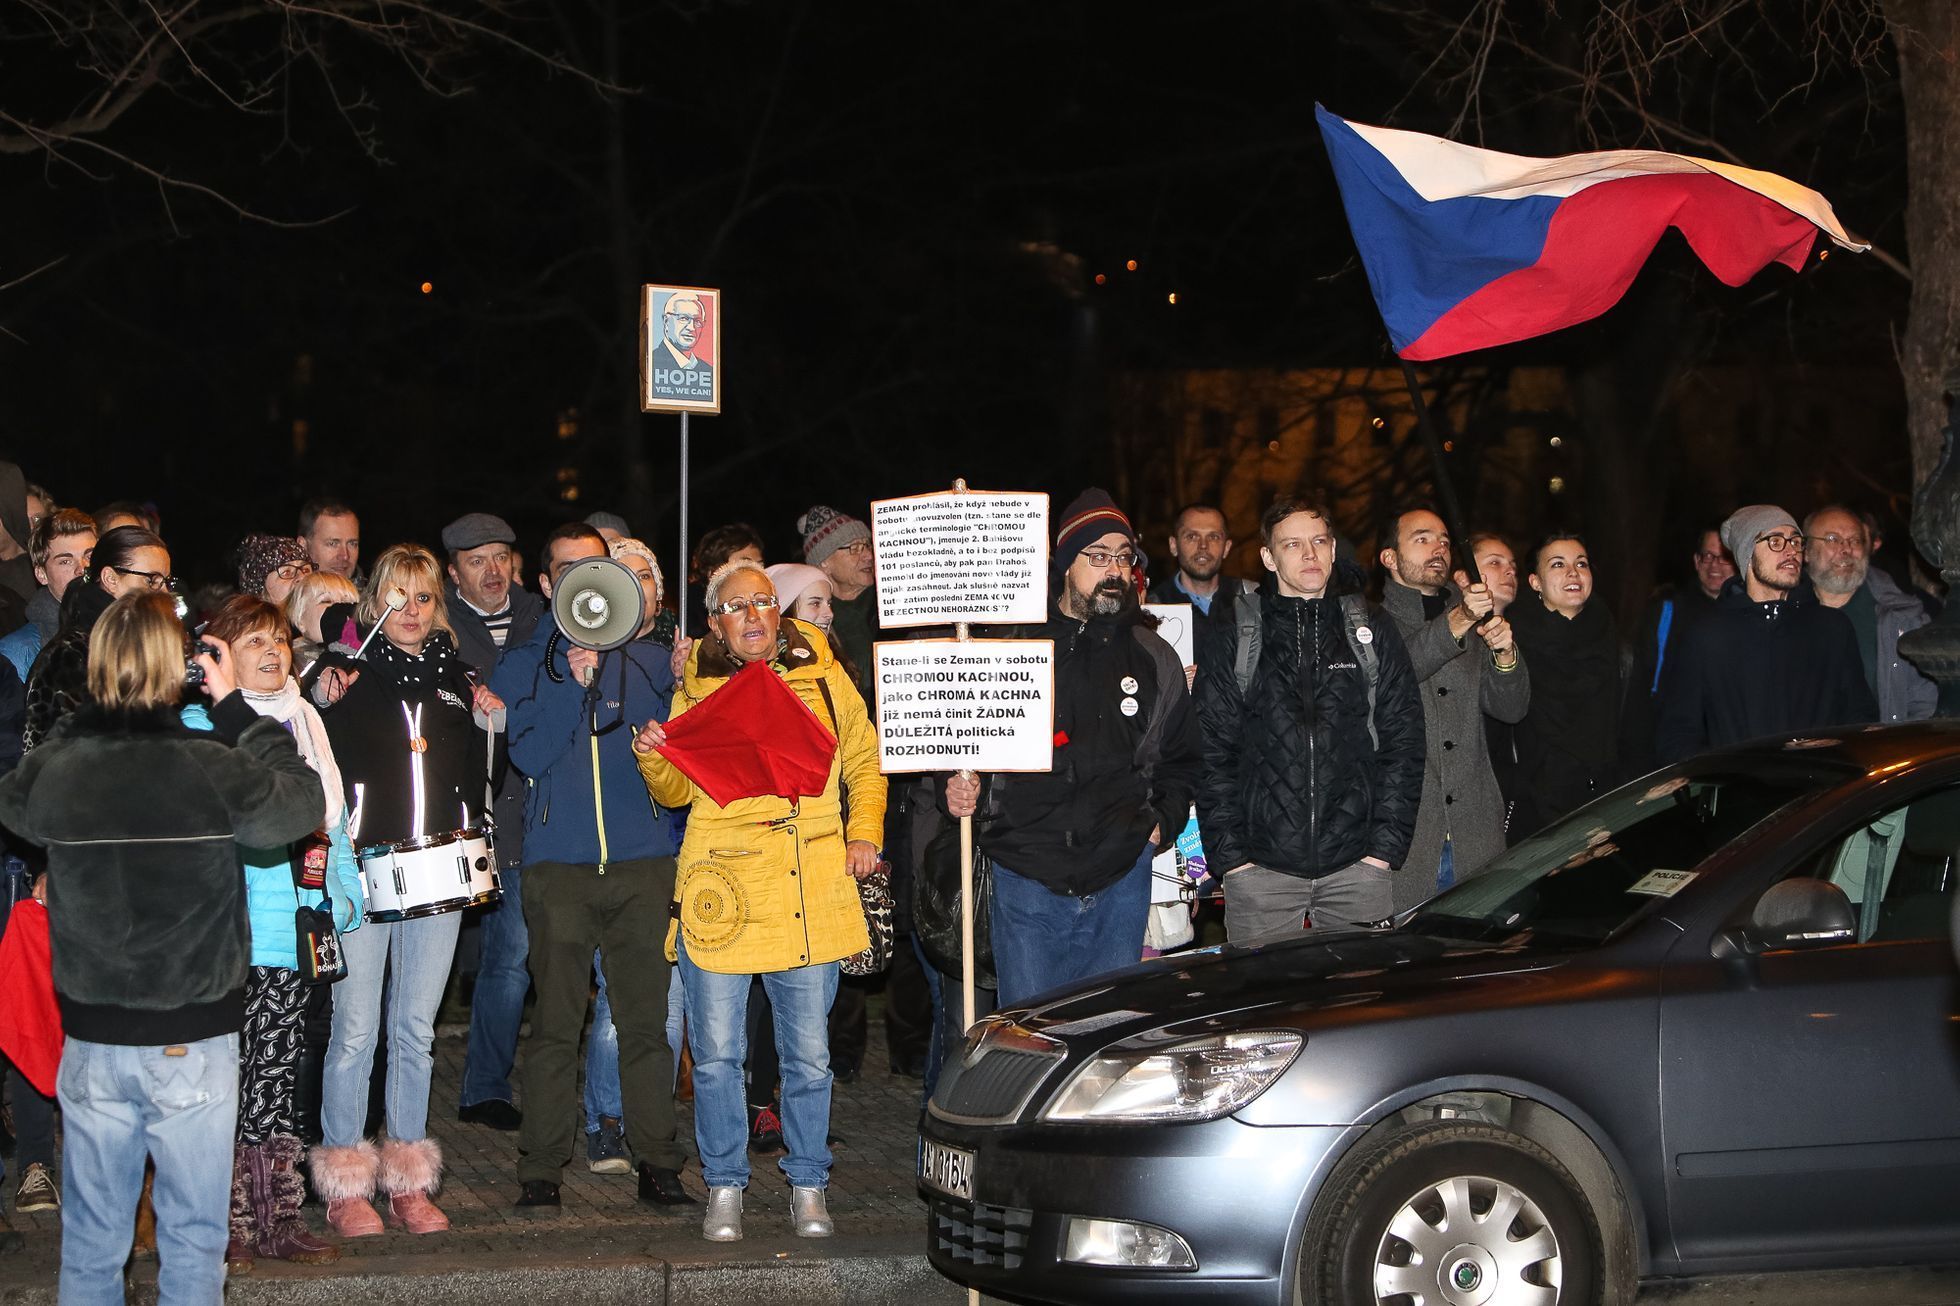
(416, 745)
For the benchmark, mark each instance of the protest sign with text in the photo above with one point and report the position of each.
(976, 556)
(680, 349)
(976, 705)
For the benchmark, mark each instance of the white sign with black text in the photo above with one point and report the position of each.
(961, 555)
(972, 705)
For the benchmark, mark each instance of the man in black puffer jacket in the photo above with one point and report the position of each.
(1072, 847)
(1313, 744)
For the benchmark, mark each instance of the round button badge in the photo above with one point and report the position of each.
(1128, 684)
(1128, 706)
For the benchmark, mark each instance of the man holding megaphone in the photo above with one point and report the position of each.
(598, 857)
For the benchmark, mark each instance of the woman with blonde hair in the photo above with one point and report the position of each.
(306, 609)
(144, 821)
(409, 733)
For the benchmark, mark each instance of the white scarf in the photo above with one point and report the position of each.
(287, 705)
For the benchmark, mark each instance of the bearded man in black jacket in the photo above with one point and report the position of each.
(1770, 659)
(1071, 848)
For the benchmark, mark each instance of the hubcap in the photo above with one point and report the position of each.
(1468, 1241)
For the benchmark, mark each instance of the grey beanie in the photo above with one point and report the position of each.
(1747, 525)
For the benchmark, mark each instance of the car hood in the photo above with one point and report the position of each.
(1346, 975)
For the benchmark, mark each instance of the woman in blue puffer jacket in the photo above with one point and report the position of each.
(266, 1189)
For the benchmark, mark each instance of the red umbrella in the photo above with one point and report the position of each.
(751, 738)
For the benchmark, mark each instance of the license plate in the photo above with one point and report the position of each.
(948, 1169)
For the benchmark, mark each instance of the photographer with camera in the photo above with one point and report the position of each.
(143, 820)
(266, 1189)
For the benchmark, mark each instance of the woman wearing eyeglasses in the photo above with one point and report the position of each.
(766, 888)
(125, 559)
(270, 565)
(409, 736)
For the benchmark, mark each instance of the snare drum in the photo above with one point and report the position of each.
(428, 876)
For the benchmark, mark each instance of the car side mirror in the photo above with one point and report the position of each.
(1798, 913)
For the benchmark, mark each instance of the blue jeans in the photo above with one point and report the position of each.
(119, 1104)
(947, 1014)
(717, 1030)
(497, 1005)
(1046, 940)
(413, 957)
(603, 1098)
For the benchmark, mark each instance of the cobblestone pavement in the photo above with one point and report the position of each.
(871, 1196)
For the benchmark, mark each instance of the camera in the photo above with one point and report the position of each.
(193, 673)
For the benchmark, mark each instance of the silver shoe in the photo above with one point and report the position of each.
(723, 1222)
(808, 1213)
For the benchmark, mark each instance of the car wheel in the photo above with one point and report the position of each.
(1453, 1214)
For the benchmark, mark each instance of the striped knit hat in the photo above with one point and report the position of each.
(826, 530)
(1093, 515)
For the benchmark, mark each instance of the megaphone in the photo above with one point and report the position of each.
(598, 604)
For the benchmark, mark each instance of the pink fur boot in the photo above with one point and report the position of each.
(344, 1178)
(410, 1172)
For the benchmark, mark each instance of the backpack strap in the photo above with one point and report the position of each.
(1354, 609)
(1245, 658)
(1660, 643)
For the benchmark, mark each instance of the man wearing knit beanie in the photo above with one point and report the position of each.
(840, 546)
(1770, 660)
(1072, 847)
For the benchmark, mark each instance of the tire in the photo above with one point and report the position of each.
(1550, 1253)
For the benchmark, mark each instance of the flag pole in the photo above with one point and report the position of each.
(1445, 487)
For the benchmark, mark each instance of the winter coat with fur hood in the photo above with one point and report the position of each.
(143, 819)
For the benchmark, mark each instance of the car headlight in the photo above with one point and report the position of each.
(1197, 1079)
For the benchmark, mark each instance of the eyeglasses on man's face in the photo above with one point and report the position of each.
(1101, 559)
(156, 580)
(737, 607)
(293, 570)
(855, 547)
(1778, 543)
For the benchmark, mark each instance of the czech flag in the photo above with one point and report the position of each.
(1468, 248)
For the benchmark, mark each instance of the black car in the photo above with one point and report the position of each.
(1709, 1022)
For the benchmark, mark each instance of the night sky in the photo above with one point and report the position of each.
(906, 207)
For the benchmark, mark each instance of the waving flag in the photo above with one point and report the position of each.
(1468, 248)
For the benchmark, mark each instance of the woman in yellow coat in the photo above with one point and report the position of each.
(766, 887)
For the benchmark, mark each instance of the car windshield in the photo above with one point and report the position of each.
(1587, 876)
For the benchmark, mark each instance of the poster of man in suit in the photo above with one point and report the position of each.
(680, 355)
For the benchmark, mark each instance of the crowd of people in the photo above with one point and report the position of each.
(198, 800)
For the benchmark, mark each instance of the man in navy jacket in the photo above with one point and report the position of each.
(598, 874)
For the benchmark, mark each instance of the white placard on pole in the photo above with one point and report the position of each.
(966, 705)
(977, 556)
(1174, 627)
